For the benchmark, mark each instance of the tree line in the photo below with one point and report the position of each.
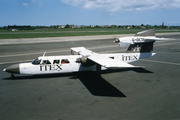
(28, 27)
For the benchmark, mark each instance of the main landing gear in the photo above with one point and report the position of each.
(98, 71)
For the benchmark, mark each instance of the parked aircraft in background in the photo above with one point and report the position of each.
(82, 59)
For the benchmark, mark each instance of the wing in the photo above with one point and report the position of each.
(102, 60)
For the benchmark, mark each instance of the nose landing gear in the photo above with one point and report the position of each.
(12, 75)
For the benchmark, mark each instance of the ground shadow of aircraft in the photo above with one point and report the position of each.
(98, 86)
(93, 81)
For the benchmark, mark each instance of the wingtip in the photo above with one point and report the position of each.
(143, 67)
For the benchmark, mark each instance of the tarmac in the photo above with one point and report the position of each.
(67, 39)
(127, 94)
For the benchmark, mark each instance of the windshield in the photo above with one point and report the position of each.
(36, 61)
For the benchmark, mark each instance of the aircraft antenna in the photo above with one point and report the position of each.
(44, 54)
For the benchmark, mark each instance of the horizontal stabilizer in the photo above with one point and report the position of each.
(147, 36)
(145, 33)
(149, 39)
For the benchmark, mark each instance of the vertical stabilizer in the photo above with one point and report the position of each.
(142, 42)
(140, 47)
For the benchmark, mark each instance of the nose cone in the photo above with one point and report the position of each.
(12, 69)
(116, 41)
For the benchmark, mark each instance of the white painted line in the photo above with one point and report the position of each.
(108, 46)
(32, 53)
(169, 52)
(34, 58)
(160, 62)
(15, 61)
(55, 51)
(109, 52)
(69, 50)
(167, 44)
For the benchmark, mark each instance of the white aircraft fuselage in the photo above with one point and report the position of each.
(82, 59)
(68, 64)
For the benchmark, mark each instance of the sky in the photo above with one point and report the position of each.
(89, 12)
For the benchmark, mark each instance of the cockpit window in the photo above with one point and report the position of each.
(64, 61)
(46, 62)
(36, 61)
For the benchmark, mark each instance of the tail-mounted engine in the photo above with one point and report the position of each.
(147, 36)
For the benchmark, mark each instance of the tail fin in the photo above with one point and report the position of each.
(144, 46)
(141, 42)
(140, 47)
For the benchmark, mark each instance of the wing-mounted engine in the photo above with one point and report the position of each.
(82, 59)
(85, 62)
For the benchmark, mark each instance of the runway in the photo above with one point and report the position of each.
(149, 94)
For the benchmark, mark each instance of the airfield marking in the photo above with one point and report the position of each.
(15, 61)
(139, 59)
(166, 44)
(32, 53)
(32, 59)
(160, 62)
(168, 52)
(107, 52)
(88, 48)
(54, 51)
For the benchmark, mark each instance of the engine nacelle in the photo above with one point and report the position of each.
(81, 60)
(85, 62)
(140, 37)
(124, 41)
(131, 40)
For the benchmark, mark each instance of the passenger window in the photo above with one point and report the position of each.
(46, 62)
(64, 61)
(56, 61)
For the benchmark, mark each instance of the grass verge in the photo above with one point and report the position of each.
(70, 32)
